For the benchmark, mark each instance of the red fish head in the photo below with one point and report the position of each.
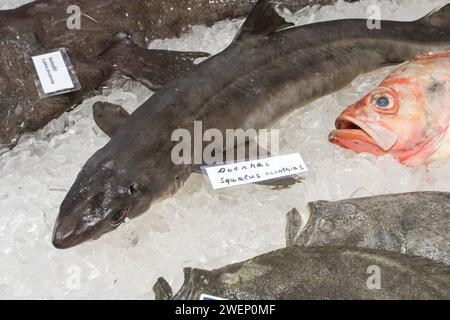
(359, 127)
(391, 119)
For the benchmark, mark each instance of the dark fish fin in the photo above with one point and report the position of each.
(162, 290)
(261, 151)
(281, 183)
(197, 168)
(275, 184)
(109, 117)
(293, 225)
(263, 20)
(390, 63)
(152, 68)
(439, 18)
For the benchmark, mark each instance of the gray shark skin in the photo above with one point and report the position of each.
(112, 41)
(263, 75)
(169, 19)
(413, 223)
(322, 273)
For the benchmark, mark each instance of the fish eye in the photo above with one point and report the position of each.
(349, 209)
(383, 101)
(326, 225)
(133, 189)
(118, 217)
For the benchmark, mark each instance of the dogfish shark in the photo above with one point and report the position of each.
(111, 41)
(269, 70)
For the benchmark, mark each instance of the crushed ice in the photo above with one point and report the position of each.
(198, 227)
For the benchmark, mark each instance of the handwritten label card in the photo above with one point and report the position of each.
(55, 73)
(236, 174)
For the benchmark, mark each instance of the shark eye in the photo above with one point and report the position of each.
(133, 189)
(118, 217)
(384, 101)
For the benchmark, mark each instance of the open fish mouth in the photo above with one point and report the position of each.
(358, 136)
(306, 233)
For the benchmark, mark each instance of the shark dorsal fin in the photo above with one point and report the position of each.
(263, 20)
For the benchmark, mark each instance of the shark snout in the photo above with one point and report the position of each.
(63, 238)
(80, 221)
(65, 234)
(97, 204)
(68, 233)
(76, 223)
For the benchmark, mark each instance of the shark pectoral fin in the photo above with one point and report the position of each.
(252, 152)
(281, 183)
(152, 68)
(390, 63)
(109, 117)
(162, 290)
(276, 184)
(293, 225)
(263, 20)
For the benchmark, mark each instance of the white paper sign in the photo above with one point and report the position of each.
(236, 174)
(53, 73)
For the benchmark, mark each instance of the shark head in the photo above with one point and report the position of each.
(111, 187)
(102, 197)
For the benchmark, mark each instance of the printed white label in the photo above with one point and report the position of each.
(207, 297)
(236, 174)
(52, 72)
